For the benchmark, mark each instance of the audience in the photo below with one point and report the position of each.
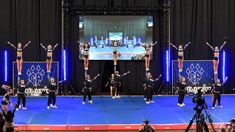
(145, 127)
(9, 123)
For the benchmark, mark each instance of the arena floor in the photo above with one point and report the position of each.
(126, 113)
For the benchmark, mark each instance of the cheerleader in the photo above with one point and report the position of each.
(180, 50)
(115, 53)
(181, 91)
(149, 87)
(9, 120)
(85, 47)
(116, 83)
(52, 89)
(148, 50)
(216, 93)
(21, 95)
(216, 51)
(49, 60)
(19, 59)
(6, 98)
(87, 89)
(6, 101)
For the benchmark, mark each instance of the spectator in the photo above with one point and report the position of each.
(145, 127)
(2, 121)
(9, 123)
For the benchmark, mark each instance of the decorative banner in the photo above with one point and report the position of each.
(198, 74)
(35, 76)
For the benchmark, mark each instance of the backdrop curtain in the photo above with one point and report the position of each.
(197, 21)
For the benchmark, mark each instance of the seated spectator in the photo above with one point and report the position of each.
(145, 127)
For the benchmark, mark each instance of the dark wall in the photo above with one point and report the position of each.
(200, 21)
(197, 21)
(29, 20)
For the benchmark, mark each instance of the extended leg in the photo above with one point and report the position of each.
(23, 100)
(214, 100)
(54, 98)
(18, 100)
(20, 67)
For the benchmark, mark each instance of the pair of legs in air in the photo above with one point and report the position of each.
(147, 61)
(19, 66)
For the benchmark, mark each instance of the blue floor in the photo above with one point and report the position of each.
(126, 110)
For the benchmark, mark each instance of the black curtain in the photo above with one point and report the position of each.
(38, 21)
(200, 21)
(197, 21)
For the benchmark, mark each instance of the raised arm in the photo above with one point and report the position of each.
(221, 47)
(11, 45)
(125, 74)
(210, 46)
(95, 77)
(158, 78)
(173, 46)
(187, 45)
(43, 46)
(142, 44)
(55, 46)
(80, 43)
(154, 43)
(226, 79)
(27, 44)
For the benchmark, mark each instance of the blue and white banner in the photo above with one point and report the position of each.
(198, 74)
(35, 75)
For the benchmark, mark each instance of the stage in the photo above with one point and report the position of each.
(126, 113)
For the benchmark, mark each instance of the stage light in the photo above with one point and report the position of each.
(125, 41)
(134, 40)
(5, 66)
(64, 65)
(91, 40)
(107, 41)
(139, 40)
(224, 66)
(167, 65)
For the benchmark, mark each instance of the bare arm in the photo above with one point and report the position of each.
(80, 44)
(210, 46)
(43, 46)
(95, 77)
(158, 78)
(11, 45)
(187, 45)
(173, 46)
(154, 43)
(55, 46)
(226, 79)
(125, 74)
(221, 47)
(27, 44)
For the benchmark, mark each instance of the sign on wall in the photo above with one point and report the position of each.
(198, 74)
(35, 76)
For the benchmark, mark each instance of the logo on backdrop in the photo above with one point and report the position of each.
(194, 73)
(35, 75)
